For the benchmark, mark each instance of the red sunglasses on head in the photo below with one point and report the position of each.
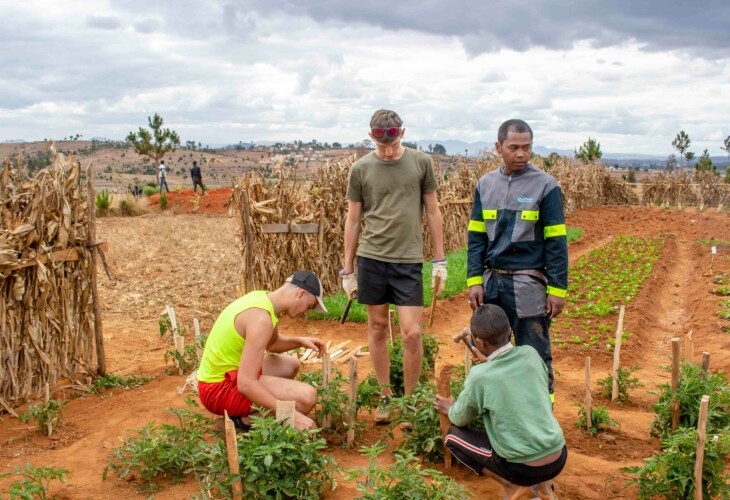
(379, 132)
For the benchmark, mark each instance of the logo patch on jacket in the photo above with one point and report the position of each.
(524, 199)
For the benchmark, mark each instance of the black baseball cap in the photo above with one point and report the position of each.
(307, 280)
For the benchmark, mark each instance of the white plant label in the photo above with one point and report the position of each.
(714, 250)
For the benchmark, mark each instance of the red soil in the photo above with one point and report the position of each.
(215, 201)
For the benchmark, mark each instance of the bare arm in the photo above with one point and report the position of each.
(256, 324)
(285, 344)
(435, 224)
(352, 233)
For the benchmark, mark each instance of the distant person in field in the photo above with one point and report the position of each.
(243, 362)
(521, 440)
(517, 248)
(389, 189)
(197, 177)
(162, 174)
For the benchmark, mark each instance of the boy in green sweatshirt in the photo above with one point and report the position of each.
(523, 443)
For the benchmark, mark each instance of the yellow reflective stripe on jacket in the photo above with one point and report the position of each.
(475, 280)
(557, 292)
(530, 215)
(553, 231)
(489, 214)
(477, 226)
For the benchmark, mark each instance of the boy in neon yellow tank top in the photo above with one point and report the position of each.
(243, 362)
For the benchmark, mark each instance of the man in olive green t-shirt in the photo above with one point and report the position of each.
(389, 188)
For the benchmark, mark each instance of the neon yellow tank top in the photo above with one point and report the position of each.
(224, 345)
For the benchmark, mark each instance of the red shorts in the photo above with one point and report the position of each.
(224, 395)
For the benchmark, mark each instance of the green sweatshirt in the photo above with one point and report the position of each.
(511, 394)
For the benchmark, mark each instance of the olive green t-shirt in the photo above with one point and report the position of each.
(391, 193)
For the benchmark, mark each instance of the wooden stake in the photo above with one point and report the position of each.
(589, 414)
(325, 384)
(617, 353)
(675, 383)
(701, 432)
(444, 389)
(49, 426)
(353, 401)
(467, 361)
(98, 333)
(436, 285)
(249, 242)
(308, 352)
(689, 348)
(232, 449)
(286, 410)
(391, 326)
(705, 364)
(198, 350)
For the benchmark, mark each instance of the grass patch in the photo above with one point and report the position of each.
(455, 284)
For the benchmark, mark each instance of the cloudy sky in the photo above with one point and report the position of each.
(630, 73)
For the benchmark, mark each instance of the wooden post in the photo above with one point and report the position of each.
(353, 401)
(325, 384)
(286, 410)
(617, 353)
(177, 339)
(249, 243)
(49, 426)
(98, 332)
(436, 285)
(391, 326)
(444, 389)
(467, 361)
(689, 347)
(675, 383)
(320, 236)
(705, 364)
(196, 328)
(232, 449)
(701, 432)
(589, 411)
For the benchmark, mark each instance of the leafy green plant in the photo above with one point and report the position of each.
(114, 381)
(44, 414)
(149, 190)
(430, 351)
(368, 393)
(33, 482)
(188, 360)
(625, 382)
(164, 200)
(690, 389)
(723, 314)
(404, 479)
(723, 290)
(599, 419)
(164, 450)
(671, 472)
(276, 461)
(417, 408)
(103, 202)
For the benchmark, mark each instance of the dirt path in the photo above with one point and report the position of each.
(192, 263)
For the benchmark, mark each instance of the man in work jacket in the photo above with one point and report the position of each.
(517, 246)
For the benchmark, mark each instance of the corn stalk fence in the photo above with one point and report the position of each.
(683, 188)
(287, 224)
(50, 323)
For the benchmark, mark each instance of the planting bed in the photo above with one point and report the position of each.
(192, 262)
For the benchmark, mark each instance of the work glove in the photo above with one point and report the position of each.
(439, 269)
(349, 284)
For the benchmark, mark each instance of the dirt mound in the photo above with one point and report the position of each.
(185, 201)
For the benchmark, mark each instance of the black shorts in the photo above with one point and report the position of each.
(381, 282)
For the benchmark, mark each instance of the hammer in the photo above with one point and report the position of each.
(464, 336)
(347, 309)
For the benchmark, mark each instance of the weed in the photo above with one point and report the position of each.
(671, 472)
(34, 481)
(690, 389)
(625, 382)
(164, 450)
(404, 479)
(49, 412)
(599, 419)
(103, 202)
(111, 381)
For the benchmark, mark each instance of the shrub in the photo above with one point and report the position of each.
(35, 481)
(150, 190)
(599, 419)
(163, 201)
(625, 382)
(103, 202)
(671, 472)
(49, 412)
(404, 479)
(690, 389)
